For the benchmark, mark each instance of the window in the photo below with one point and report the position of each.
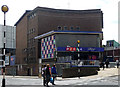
(71, 28)
(32, 15)
(29, 17)
(33, 29)
(59, 28)
(77, 28)
(65, 27)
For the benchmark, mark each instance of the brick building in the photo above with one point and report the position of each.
(21, 43)
(42, 20)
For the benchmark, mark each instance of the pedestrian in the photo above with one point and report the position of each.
(107, 63)
(117, 62)
(102, 65)
(48, 75)
(43, 74)
(54, 73)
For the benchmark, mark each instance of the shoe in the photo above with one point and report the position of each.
(44, 84)
(53, 84)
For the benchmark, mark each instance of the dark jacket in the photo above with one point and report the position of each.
(53, 70)
(107, 62)
(47, 71)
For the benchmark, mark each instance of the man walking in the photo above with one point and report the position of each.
(117, 62)
(107, 63)
(43, 74)
(102, 65)
(54, 73)
(48, 75)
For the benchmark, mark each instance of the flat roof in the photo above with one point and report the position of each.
(66, 32)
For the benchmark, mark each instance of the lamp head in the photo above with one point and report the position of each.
(78, 41)
(4, 8)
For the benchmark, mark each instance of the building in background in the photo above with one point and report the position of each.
(42, 20)
(112, 51)
(10, 41)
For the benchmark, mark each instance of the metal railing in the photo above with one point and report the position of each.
(85, 62)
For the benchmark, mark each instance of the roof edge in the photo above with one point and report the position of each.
(22, 17)
(68, 10)
(68, 32)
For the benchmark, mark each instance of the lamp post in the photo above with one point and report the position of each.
(78, 42)
(4, 9)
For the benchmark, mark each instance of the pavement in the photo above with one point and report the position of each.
(102, 73)
(107, 72)
(69, 86)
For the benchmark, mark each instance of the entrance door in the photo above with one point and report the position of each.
(28, 72)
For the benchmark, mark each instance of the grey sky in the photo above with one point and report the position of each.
(109, 8)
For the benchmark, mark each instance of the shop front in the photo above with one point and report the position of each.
(61, 48)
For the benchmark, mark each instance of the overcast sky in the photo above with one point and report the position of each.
(109, 8)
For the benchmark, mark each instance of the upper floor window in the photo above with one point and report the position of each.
(32, 15)
(31, 31)
(71, 28)
(59, 28)
(77, 28)
(65, 27)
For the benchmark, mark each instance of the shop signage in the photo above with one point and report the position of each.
(12, 60)
(6, 60)
(89, 49)
(70, 48)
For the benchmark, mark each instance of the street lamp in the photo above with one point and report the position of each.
(78, 42)
(4, 9)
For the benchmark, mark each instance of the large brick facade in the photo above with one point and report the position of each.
(42, 20)
(21, 43)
